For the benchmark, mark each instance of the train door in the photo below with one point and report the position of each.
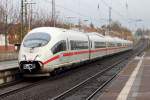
(59, 49)
(67, 58)
(107, 48)
(90, 46)
(64, 56)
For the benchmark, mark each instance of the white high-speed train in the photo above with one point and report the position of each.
(47, 49)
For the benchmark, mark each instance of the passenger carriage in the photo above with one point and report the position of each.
(46, 49)
(98, 45)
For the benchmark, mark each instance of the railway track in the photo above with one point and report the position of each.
(89, 87)
(19, 86)
(24, 85)
(93, 84)
(29, 85)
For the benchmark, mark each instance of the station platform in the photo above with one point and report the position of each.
(8, 56)
(4, 65)
(132, 83)
(9, 71)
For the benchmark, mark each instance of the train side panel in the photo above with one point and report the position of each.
(98, 47)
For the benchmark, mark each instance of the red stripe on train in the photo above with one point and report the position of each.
(66, 54)
(51, 59)
(77, 53)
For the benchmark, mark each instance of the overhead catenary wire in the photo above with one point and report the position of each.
(78, 13)
(75, 12)
(115, 11)
(89, 17)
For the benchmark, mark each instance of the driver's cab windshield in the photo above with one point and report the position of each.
(36, 40)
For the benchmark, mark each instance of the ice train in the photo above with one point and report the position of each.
(47, 49)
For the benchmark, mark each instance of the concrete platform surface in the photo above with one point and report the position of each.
(8, 64)
(8, 56)
(132, 83)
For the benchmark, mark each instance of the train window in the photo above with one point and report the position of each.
(77, 45)
(111, 44)
(58, 47)
(36, 40)
(100, 44)
(119, 44)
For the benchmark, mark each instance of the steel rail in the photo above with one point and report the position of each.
(29, 85)
(99, 73)
(2, 95)
(88, 79)
(109, 80)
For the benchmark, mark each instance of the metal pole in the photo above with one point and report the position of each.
(85, 24)
(6, 33)
(29, 17)
(26, 13)
(6, 26)
(79, 24)
(109, 20)
(53, 13)
(22, 3)
(29, 14)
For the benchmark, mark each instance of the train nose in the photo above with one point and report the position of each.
(31, 66)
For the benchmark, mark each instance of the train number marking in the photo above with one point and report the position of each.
(29, 66)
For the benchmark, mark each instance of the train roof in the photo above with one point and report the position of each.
(96, 37)
(95, 33)
(53, 31)
(47, 29)
(109, 38)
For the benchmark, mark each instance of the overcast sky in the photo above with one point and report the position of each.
(96, 11)
(125, 11)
